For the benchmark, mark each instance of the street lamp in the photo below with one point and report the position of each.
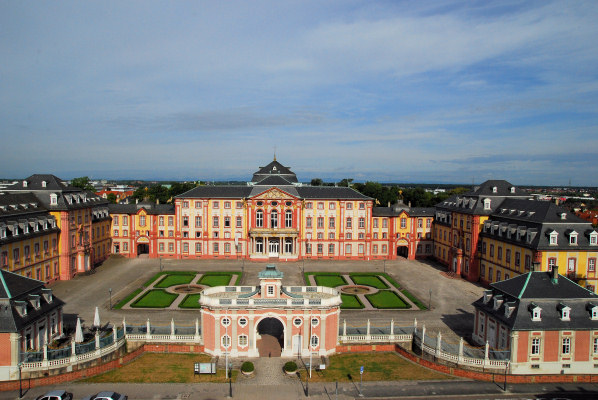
(110, 291)
(430, 301)
(160, 264)
(20, 365)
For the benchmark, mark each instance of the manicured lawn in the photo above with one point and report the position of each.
(161, 368)
(160, 274)
(124, 301)
(155, 298)
(376, 366)
(368, 280)
(350, 302)
(386, 299)
(190, 301)
(215, 279)
(330, 280)
(173, 280)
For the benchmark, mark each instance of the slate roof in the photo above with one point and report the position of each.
(539, 289)
(16, 289)
(274, 168)
(274, 180)
(472, 202)
(149, 207)
(534, 221)
(304, 192)
(396, 210)
(22, 210)
(68, 197)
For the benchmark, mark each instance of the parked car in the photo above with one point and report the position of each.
(107, 396)
(56, 395)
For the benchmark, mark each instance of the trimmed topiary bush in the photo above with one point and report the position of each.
(290, 367)
(247, 367)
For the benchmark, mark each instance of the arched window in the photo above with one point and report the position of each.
(288, 219)
(274, 219)
(259, 218)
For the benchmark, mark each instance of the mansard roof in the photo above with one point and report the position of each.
(397, 209)
(472, 202)
(17, 291)
(537, 289)
(530, 223)
(150, 207)
(67, 197)
(304, 192)
(274, 168)
(274, 180)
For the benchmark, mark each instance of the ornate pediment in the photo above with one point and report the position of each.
(274, 194)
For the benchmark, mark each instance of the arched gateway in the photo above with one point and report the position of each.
(252, 321)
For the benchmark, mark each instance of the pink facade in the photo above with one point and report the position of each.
(303, 319)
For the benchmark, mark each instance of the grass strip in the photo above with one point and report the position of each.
(386, 299)
(160, 274)
(351, 302)
(210, 279)
(377, 366)
(414, 299)
(124, 301)
(155, 298)
(161, 368)
(331, 281)
(173, 280)
(368, 280)
(190, 301)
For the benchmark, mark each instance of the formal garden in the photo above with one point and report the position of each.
(176, 289)
(366, 290)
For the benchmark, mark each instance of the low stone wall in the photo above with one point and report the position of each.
(99, 367)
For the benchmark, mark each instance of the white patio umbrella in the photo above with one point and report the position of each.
(78, 332)
(96, 319)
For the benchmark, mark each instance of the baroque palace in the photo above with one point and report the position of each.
(50, 231)
(272, 217)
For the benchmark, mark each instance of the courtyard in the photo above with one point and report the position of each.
(111, 283)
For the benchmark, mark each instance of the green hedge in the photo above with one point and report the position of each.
(174, 280)
(368, 280)
(386, 299)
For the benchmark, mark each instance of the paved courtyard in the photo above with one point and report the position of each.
(450, 298)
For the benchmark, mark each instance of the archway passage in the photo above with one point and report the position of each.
(403, 251)
(271, 340)
(142, 249)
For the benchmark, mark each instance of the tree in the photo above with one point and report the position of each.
(179, 188)
(346, 182)
(83, 183)
(317, 182)
(111, 198)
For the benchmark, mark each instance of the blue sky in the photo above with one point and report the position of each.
(406, 91)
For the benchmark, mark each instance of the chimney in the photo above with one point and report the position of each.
(157, 201)
(554, 277)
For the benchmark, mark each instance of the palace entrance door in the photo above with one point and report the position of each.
(271, 337)
(273, 247)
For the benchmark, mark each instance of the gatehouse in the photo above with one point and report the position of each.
(270, 319)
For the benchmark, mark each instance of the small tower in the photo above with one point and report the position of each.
(270, 282)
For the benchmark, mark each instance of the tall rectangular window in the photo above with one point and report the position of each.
(362, 222)
(349, 223)
(288, 219)
(403, 223)
(535, 346)
(239, 222)
(215, 222)
(198, 222)
(331, 223)
(308, 222)
(125, 220)
(566, 345)
(320, 222)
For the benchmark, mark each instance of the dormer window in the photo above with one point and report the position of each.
(565, 312)
(509, 308)
(563, 215)
(498, 301)
(34, 300)
(53, 199)
(487, 204)
(47, 293)
(2, 233)
(21, 308)
(536, 312)
(593, 309)
(43, 184)
(553, 238)
(494, 189)
(593, 238)
(573, 238)
(487, 296)
(512, 189)
(24, 183)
